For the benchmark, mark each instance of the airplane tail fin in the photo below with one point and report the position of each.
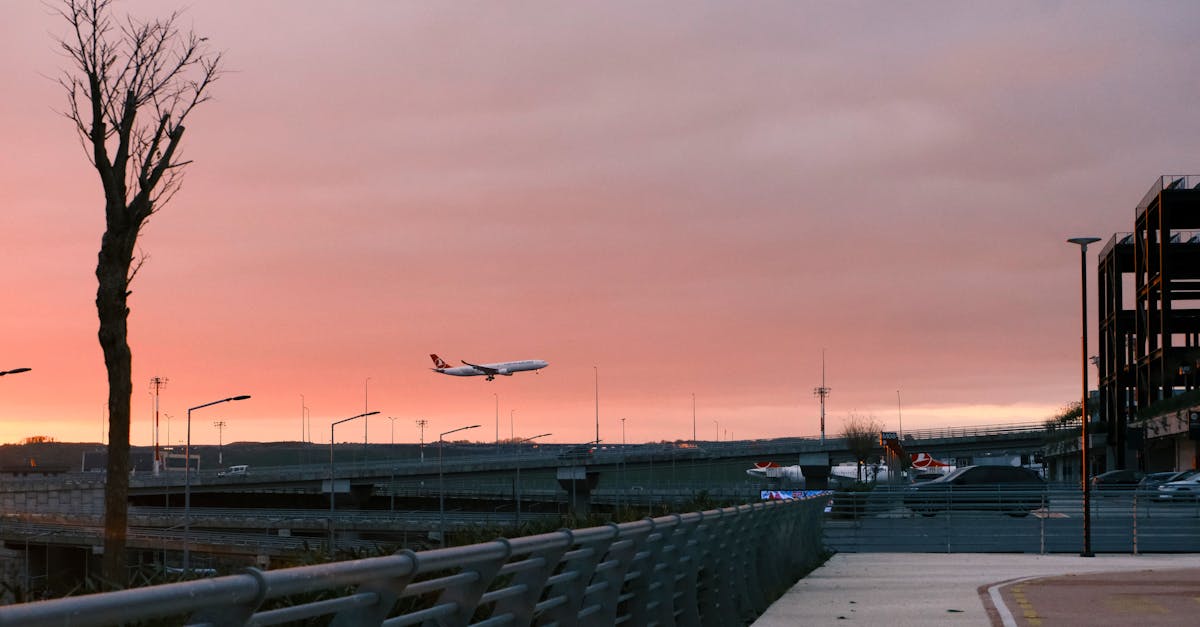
(438, 362)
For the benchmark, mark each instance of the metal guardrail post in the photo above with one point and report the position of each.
(465, 595)
(540, 566)
(613, 570)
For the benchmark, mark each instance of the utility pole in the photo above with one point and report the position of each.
(156, 384)
(220, 425)
(421, 423)
(822, 392)
(393, 419)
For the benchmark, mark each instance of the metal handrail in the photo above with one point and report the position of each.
(716, 567)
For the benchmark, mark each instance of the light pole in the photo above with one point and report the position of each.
(187, 480)
(497, 395)
(717, 427)
(1083, 242)
(597, 369)
(442, 486)
(693, 419)
(517, 490)
(332, 492)
(511, 431)
(14, 371)
(393, 434)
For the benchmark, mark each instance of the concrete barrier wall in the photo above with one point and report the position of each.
(51, 495)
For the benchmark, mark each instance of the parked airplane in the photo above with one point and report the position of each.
(925, 461)
(506, 368)
(921, 462)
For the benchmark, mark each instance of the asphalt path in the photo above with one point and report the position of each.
(1146, 598)
(933, 589)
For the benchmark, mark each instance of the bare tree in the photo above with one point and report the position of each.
(130, 87)
(862, 438)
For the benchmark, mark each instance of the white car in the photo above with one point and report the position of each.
(1183, 490)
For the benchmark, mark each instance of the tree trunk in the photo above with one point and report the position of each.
(112, 271)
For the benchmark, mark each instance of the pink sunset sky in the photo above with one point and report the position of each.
(683, 198)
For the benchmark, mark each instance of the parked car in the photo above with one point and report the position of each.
(1150, 482)
(1116, 481)
(1182, 490)
(1009, 489)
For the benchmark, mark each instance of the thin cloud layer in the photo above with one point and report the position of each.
(692, 198)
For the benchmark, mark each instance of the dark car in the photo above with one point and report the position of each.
(578, 452)
(1009, 489)
(1150, 482)
(1116, 481)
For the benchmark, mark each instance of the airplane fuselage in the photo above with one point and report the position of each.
(504, 368)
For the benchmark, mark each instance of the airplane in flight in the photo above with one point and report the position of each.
(505, 368)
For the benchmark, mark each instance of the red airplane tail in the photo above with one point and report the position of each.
(438, 362)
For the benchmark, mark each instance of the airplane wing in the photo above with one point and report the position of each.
(483, 369)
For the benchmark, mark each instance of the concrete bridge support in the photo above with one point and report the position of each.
(578, 483)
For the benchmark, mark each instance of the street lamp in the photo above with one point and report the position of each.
(717, 427)
(442, 486)
(1083, 242)
(14, 371)
(187, 479)
(393, 419)
(331, 480)
(517, 491)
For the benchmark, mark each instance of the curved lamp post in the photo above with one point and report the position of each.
(517, 490)
(14, 371)
(187, 480)
(331, 490)
(442, 486)
(1083, 242)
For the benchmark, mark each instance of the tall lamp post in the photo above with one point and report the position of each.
(1083, 242)
(332, 492)
(14, 371)
(442, 486)
(187, 480)
(517, 490)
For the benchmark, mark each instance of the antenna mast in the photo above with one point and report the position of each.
(156, 384)
(421, 423)
(821, 393)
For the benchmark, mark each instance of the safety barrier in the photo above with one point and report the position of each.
(1011, 519)
(717, 567)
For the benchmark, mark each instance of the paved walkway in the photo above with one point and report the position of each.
(931, 589)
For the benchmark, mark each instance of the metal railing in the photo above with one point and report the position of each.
(1011, 519)
(717, 567)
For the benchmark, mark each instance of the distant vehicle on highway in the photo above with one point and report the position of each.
(578, 452)
(239, 469)
(1012, 490)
